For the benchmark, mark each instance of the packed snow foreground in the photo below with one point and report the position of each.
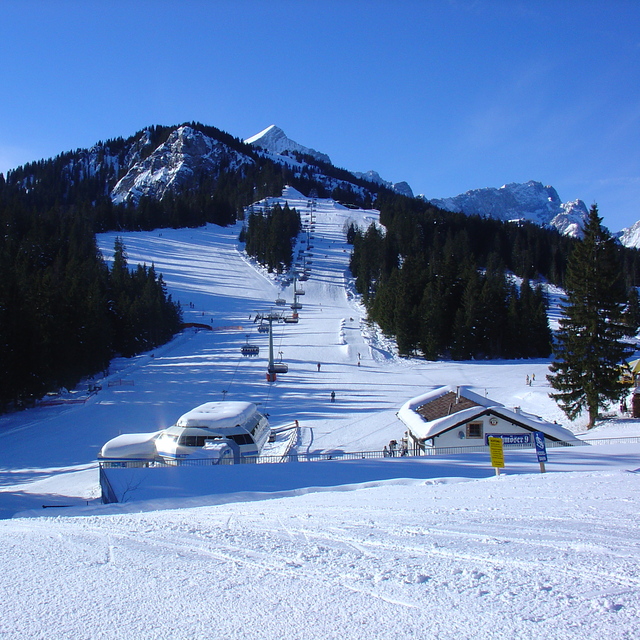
(435, 547)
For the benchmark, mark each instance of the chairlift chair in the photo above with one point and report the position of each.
(250, 349)
(278, 367)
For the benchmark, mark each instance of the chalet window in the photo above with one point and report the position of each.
(474, 430)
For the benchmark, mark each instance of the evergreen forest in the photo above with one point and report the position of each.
(270, 236)
(63, 313)
(441, 283)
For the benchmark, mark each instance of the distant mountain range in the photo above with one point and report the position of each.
(530, 201)
(169, 160)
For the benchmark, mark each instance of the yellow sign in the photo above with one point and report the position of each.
(496, 452)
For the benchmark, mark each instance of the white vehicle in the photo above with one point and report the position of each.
(214, 430)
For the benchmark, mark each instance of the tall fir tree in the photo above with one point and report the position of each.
(589, 344)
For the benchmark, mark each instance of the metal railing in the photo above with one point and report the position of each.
(621, 440)
(344, 455)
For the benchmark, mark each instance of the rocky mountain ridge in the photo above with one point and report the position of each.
(530, 201)
(186, 154)
(159, 160)
(402, 188)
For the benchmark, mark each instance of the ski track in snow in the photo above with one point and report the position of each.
(436, 561)
(443, 549)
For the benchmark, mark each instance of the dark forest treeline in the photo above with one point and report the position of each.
(63, 313)
(270, 235)
(438, 281)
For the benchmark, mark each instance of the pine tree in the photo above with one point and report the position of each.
(589, 347)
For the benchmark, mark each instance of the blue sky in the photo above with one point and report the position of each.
(449, 95)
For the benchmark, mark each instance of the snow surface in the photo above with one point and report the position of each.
(389, 548)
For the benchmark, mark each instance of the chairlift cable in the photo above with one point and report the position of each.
(240, 359)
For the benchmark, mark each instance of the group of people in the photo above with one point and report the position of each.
(394, 449)
(530, 379)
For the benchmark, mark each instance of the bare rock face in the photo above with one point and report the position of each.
(185, 155)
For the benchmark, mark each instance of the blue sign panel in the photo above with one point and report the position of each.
(510, 438)
(541, 449)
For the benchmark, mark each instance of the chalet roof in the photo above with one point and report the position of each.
(445, 405)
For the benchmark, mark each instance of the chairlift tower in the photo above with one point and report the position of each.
(273, 368)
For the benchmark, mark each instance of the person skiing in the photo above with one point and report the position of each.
(333, 396)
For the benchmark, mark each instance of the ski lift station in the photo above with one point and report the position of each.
(452, 416)
(214, 431)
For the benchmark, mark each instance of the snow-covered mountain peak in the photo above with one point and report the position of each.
(531, 201)
(270, 132)
(630, 237)
(274, 140)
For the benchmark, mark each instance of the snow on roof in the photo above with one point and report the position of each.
(423, 429)
(130, 445)
(218, 415)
